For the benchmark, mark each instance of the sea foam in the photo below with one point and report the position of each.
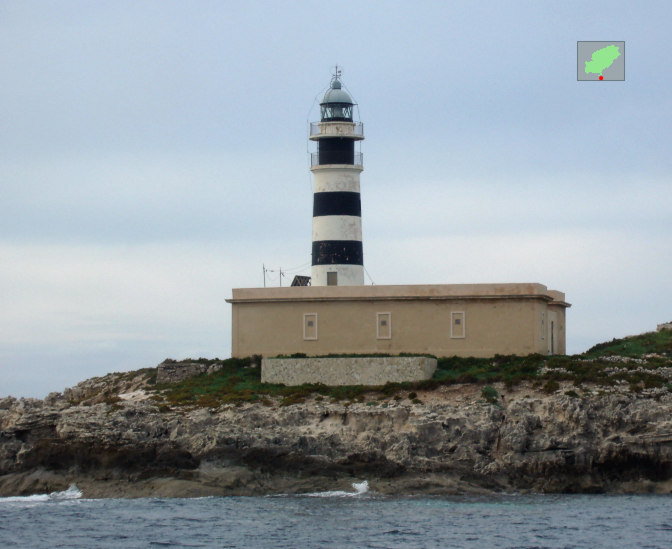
(361, 488)
(71, 493)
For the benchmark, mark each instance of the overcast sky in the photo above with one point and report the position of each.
(153, 155)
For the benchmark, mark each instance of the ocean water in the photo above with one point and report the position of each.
(338, 519)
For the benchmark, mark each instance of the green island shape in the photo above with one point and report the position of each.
(602, 59)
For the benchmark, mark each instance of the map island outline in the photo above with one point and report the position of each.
(602, 59)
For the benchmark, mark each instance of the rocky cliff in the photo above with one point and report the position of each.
(113, 439)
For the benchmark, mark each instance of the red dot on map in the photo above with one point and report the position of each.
(601, 77)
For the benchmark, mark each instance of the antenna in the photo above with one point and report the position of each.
(337, 73)
(263, 266)
(367, 274)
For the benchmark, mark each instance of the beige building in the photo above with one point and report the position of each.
(478, 320)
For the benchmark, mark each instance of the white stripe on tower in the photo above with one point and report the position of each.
(337, 227)
(346, 275)
(330, 179)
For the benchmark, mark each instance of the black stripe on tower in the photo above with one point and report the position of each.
(336, 150)
(337, 203)
(338, 252)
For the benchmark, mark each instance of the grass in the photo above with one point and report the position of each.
(239, 380)
(508, 369)
(634, 346)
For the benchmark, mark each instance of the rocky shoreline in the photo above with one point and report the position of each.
(446, 441)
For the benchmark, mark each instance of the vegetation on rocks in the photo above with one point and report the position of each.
(635, 346)
(490, 394)
(632, 364)
(637, 362)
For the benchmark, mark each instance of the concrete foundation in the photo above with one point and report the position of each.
(346, 371)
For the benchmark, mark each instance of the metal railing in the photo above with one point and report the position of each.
(358, 162)
(357, 130)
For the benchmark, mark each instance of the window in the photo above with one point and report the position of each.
(310, 326)
(332, 279)
(383, 325)
(543, 325)
(458, 325)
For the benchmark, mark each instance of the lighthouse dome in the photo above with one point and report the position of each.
(336, 94)
(336, 103)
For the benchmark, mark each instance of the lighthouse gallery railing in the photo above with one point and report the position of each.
(358, 129)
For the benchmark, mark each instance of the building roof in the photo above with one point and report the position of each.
(438, 292)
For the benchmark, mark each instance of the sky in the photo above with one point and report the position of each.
(154, 155)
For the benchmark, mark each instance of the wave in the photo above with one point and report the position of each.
(71, 493)
(360, 488)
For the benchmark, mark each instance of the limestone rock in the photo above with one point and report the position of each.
(171, 371)
(453, 442)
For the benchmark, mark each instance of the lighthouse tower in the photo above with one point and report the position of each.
(338, 259)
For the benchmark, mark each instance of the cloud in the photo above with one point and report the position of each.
(135, 198)
(154, 157)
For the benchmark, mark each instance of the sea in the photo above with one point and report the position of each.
(347, 519)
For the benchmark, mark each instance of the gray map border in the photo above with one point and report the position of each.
(596, 79)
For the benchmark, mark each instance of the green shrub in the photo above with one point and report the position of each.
(114, 408)
(292, 399)
(551, 386)
(490, 394)
(208, 401)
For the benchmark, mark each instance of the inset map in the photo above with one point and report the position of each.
(600, 60)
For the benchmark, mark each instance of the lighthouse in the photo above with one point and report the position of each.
(337, 254)
(340, 316)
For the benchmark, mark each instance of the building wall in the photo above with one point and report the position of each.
(442, 320)
(556, 340)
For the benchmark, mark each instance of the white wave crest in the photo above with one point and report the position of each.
(71, 493)
(361, 488)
